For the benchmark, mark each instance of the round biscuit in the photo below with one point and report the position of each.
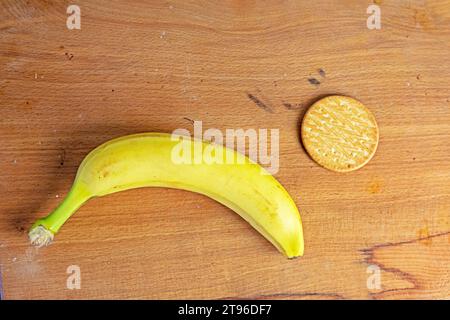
(339, 133)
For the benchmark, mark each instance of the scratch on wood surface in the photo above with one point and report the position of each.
(188, 119)
(259, 103)
(389, 257)
(62, 157)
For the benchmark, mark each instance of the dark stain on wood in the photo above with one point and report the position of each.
(259, 103)
(292, 106)
(322, 73)
(314, 82)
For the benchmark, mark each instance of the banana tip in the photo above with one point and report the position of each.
(40, 236)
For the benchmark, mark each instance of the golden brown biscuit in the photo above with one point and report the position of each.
(340, 133)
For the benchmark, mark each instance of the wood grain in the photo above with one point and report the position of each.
(139, 66)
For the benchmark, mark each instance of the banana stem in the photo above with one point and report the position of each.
(42, 231)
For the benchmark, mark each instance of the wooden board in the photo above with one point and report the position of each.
(154, 66)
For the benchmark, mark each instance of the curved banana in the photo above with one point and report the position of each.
(148, 160)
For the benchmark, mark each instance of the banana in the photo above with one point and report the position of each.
(147, 160)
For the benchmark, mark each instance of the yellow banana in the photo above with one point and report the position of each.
(147, 160)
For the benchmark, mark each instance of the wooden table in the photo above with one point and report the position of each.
(156, 66)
